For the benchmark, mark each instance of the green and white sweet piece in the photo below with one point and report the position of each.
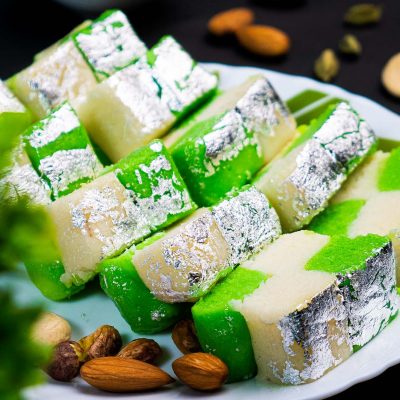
(294, 315)
(71, 68)
(300, 183)
(142, 101)
(222, 153)
(60, 151)
(367, 203)
(185, 262)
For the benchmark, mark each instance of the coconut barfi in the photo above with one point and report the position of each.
(187, 260)
(315, 165)
(70, 69)
(142, 101)
(129, 201)
(222, 152)
(367, 203)
(299, 307)
(60, 151)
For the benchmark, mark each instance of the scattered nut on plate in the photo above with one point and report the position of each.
(201, 371)
(391, 75)
(146, 350)
(116, 374)
(264, 40)
(185, 338)
(51, 329)
(230, 21)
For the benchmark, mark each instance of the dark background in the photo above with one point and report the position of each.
(28, 26)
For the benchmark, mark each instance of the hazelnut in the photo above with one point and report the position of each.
(142, 349)
(104, 341)
(66, 361)
(185, 337)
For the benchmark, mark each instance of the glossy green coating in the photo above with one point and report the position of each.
(222, 330)
(389, 175)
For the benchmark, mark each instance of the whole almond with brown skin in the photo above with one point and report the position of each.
(201, 371)
(146, 350)
(116, 374)
(185, 337)
(264, 40)
(230, 21)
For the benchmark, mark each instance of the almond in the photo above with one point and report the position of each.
(116, 374)
(185, 338)
(201, 371)
(230, 21)
(264, 40)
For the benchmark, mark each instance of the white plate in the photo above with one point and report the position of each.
(90, 311)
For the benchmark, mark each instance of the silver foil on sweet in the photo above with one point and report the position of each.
(173, 67)
(317, 177)
(135, 87)
(261, 107)
(311, 330)
(348, 137)
(8, 102)
(110, 44)
(247, 222)
(52, 127)
(65, 167)
(22, 180)
(370, 296)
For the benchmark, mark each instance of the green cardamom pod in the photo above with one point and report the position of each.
(349, 44)
(363, 14)
(327, 65)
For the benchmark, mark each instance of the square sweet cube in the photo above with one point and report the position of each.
(223, 152)
(60, 150)
(291, 316)
(109, 43)
(300, 183)
(185, 262)
(144, 100)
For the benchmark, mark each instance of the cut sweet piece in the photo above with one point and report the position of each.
(367, 203)
(59, 149)
(141, 102)
(70, 69)
(109, 43)
(134, 198)
(312, 169)
(294, 315)
(186, 262)
(223, 152)
(14, 117)
(143, 312)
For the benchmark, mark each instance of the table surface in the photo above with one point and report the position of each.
(29, 26)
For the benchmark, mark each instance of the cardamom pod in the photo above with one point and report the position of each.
(349, 44)
(363, 14)
(327, 65)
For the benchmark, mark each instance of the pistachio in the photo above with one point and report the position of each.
(201, 371)
(363, 14)
(66, 361)
(104, 341)
(349, 44)
(391, 75)
(146, 350)
(185, 337)
(327, 65)
(51, 329)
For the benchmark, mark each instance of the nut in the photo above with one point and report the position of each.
(104, 341)
(264, 40)
(201, 371)
(363, 14)
(230, 21)
(66, 361)
(116, 374)
(185, 337)
(391, 75)
(146, 350)
(350, 45)
(51, 329)
(327, 65)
